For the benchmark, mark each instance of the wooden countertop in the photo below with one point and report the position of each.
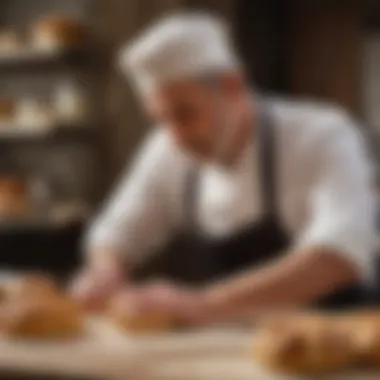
(105, 353)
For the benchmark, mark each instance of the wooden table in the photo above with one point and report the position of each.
(105, 353)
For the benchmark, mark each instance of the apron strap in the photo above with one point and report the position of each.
(267, 162)
(191, 200)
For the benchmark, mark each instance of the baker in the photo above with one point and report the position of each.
(276, 195)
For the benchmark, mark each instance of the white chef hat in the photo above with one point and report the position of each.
(182, 45)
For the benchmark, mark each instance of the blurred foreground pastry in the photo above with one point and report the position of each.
(364, 329)
(41, 319)
(33, 307)
(308, 346)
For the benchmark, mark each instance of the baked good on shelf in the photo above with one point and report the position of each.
(124, 315)
(41, 318)
(53, 33)
(7, 111)
(14, 198)
(309, 347)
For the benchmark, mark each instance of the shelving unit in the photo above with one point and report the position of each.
(34, 63)
(61, 149)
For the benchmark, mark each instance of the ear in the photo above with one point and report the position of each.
(233, 84)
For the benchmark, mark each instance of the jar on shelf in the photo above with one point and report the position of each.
(70, 103)
(34, 116)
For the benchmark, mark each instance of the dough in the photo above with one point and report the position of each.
(304, 345)
(44, 318)
(148, 323)
(124, 314)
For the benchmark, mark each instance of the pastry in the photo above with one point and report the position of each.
(58, 33)
(41, 318)
(309, 346)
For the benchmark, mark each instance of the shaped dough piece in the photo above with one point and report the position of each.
(151, 322)
(124, 314)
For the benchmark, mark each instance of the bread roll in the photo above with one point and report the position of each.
(308, 346)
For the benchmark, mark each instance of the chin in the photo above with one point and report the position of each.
(198, 155)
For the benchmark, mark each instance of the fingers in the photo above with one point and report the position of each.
(94, 290)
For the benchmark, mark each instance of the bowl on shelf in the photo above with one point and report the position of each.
(57, 33)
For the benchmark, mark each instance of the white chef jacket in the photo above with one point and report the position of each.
(326, 193)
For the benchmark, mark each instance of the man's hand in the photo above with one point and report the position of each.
(185, 305)
(95, 285)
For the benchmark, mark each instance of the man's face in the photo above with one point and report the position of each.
(192, 110)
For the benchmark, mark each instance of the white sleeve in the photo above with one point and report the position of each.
(343, 201)
(137, 217)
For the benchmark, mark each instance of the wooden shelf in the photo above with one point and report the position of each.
(59, 133)
(32, 225)
(35, 60)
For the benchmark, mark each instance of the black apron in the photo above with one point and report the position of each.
(194, 258)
